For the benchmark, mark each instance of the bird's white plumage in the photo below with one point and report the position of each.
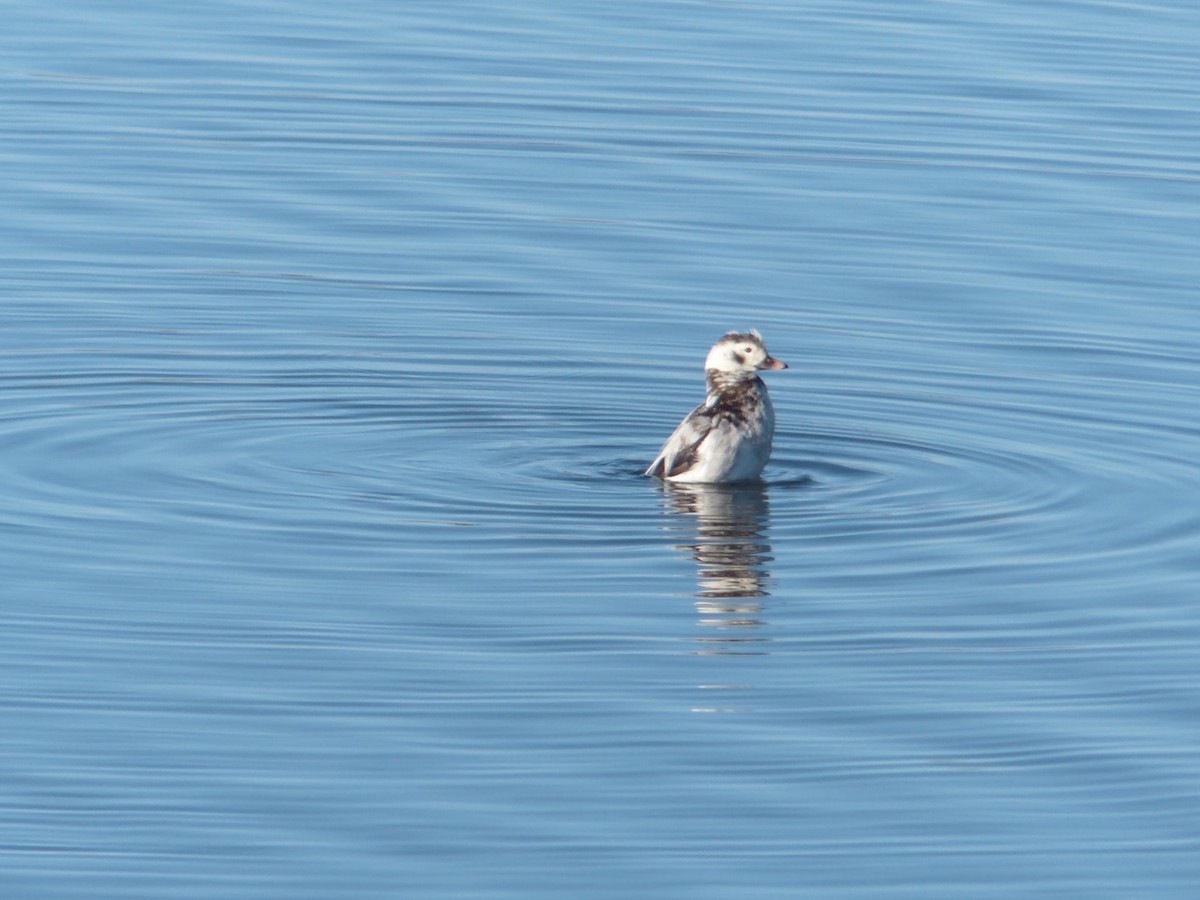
(728, 437)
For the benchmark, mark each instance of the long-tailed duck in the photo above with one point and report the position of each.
(728, 436)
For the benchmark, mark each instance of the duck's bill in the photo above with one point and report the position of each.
(772, 363)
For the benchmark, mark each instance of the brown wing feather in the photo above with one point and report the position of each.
(679, 452)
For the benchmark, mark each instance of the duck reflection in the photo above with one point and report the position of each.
(726, 536)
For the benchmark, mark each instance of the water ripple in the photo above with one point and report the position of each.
(943, 453)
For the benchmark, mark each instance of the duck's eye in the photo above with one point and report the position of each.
(748, 350)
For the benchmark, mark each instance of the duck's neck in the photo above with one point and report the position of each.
(718, 381)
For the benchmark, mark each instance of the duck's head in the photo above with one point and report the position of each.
(741, 353)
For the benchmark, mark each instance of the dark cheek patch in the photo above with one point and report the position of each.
(741, 360)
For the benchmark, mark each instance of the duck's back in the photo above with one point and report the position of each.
(727, 439)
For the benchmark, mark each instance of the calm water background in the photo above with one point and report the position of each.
(335, 338)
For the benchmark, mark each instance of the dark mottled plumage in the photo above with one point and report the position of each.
(738, 402)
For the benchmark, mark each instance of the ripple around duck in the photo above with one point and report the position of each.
(934, 456)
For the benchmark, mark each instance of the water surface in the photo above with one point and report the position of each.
(336, 341)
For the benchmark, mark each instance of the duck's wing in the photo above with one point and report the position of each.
(679, 453)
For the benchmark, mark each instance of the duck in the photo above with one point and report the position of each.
(727, 438)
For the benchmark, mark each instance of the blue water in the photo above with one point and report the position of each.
(335, 340)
